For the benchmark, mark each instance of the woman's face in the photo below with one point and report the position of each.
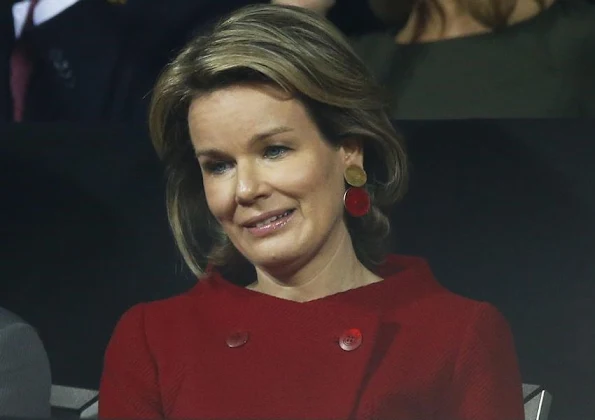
(270, 178)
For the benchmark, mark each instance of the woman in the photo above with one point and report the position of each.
(481, 58)
(280, 160)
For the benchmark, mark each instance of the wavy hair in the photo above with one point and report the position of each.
(304, 55)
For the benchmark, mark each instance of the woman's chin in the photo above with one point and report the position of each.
(279, 263)
(275, 251)
(276, 262)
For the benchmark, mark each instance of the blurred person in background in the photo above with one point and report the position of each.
(25, 377)
(481, 58)
(281, 164)
(85, 60)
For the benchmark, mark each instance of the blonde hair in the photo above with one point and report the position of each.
(301, 53)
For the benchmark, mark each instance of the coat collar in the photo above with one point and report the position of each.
(406, 278)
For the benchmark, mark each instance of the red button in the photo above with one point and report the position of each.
(237, 339)
(351, 339)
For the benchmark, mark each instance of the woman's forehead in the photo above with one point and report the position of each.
(244, 112)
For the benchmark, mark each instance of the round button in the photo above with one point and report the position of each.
(351, 339)
(237, 339)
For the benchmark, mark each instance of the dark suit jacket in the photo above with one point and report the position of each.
(98, 60)
(25, 379)
(425, 353)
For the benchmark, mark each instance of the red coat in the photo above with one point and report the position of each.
(224, 352)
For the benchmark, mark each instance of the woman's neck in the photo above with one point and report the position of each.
(458, 21)
(324, 275)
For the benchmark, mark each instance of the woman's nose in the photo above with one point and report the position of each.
(250, 185)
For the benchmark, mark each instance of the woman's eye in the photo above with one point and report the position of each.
(273, 152)
(216, 167)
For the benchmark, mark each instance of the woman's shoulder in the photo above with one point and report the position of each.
(412, 290)
(452, 308)
(454, 315)
(162, 311)
(449, 307)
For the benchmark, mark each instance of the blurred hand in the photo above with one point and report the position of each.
(320, 6)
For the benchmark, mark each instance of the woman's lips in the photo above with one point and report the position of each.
(271, 225)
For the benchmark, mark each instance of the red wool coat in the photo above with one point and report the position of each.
(401, 349)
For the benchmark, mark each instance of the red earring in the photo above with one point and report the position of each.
(356, 198)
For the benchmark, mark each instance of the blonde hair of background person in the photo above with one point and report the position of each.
(432, 20)
(261, 124)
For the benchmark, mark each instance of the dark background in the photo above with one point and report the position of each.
(97, 61)
(503, 210)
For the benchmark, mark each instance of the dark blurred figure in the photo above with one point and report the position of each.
(85, 236)
(483, 58)
(25, 379)
(98, 59)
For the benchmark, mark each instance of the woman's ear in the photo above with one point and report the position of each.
(353, 152)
